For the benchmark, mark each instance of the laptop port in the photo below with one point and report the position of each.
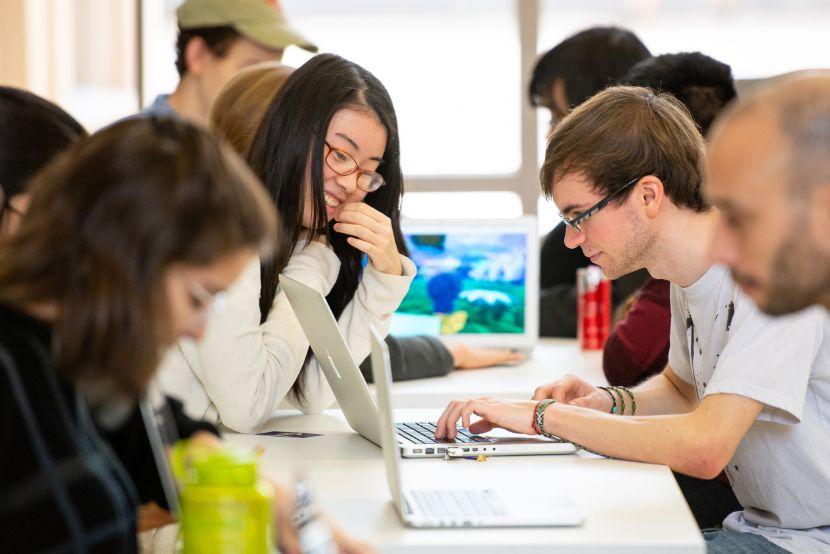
(430, 451)
(442, 450)
(465, 449)
(475, 449)
(418, 451)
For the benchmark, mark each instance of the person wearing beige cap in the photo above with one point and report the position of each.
(216, 39)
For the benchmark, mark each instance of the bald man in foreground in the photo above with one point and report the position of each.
(769, 176)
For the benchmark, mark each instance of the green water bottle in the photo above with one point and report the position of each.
(225, 506)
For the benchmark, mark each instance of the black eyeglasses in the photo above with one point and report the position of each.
(342, 163)
(575, 222)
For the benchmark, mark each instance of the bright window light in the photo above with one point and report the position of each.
(451, 68)
(461, 205)
(547, 216)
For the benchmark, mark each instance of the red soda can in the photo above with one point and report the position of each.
(593, 310)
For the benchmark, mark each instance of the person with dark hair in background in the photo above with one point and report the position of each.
(582, 65)
(704, 84)
(638, 346)
(564, 77)
(216, 39)
(327, 151)
(33, 131)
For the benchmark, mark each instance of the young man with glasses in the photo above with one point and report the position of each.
(734, 391)
(564, 77)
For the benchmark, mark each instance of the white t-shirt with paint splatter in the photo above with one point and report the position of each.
(721, 343)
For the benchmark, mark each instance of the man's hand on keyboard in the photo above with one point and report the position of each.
(513, 415)
(572, 390)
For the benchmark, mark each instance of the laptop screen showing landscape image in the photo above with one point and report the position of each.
(471, 280)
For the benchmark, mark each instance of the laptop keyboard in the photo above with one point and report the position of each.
(457, 503)
(424, 433)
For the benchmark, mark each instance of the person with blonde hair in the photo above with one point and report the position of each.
(240, 106)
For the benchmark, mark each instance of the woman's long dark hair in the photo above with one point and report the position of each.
(290, 136)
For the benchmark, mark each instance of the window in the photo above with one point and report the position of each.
(461, 205)
(451, 68)
(80, 55)
(758, 38)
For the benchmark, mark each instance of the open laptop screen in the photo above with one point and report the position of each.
(472, 279)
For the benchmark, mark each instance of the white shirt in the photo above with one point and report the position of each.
(241, 370)
(780, 472)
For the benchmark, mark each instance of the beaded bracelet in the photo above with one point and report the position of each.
(633, 402)
(622, 400)
(613, 400)
(533, 420)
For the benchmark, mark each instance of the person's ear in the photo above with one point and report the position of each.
(651, 194)
(197, 54)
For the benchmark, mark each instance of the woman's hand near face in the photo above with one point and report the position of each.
(371, 232)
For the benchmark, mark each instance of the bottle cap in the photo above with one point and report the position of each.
(221, 466)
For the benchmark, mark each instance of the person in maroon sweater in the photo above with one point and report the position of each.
(638, 346)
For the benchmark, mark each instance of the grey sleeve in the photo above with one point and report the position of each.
(414, 358)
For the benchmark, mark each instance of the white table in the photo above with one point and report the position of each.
(551, 359)
(628, 507)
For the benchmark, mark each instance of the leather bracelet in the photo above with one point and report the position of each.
(631, 396)
(613, 400)
(622, 400)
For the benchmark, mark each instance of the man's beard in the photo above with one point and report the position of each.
(637, 251)
(800, 276)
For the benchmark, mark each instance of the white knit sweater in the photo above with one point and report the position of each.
(241, 370)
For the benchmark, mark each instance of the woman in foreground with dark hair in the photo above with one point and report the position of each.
(327, 151)
(128, 238)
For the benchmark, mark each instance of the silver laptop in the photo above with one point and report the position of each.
(477, 282)
(506, 507)
(162, 434)
(416, 439)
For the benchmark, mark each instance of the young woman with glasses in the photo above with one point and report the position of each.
(236, 114)
(326, 148)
